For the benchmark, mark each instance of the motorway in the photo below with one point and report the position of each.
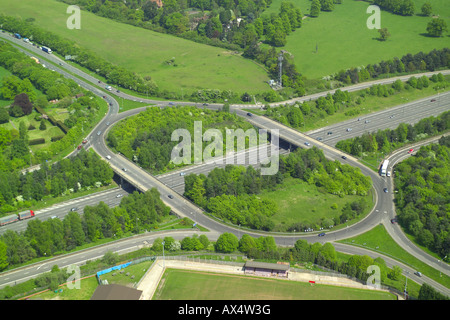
(382, 212)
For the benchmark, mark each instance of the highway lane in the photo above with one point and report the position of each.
(175, 180)
(409, 113)
(179, 201)
(61, 209)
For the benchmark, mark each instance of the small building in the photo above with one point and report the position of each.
(265, 269)
(116, 292)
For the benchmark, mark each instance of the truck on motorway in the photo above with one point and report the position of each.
(384, 167)
(26, 214)
(45, 49)
(16, 217)
(9, 219)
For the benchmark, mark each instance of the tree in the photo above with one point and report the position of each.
(226, 243)
(426, 9)
(42, 125)
(3, 256)
(395, 273)
(23, 102)
(4, 115)
(315, 8)
(436, 27)
(326, 5)
(384, 34)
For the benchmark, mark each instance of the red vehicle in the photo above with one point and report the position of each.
(79, 147)
(15, 217)
(84, 141)
(26, 214)
(411, 151)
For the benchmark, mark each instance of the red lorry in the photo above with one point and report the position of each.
(15, 217)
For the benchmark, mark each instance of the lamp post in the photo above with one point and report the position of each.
(164, 259)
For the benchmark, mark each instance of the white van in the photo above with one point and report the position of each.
(108, 157)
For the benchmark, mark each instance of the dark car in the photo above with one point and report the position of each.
(74, 209)
(344, 157)
(385, 190)
(249, 114)
(433, 100)
(394, 221)
(329, 132)
(170, 196)
(321, 234)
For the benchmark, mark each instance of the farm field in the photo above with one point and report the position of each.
(145, 52)
(344, 41)
(192, 285)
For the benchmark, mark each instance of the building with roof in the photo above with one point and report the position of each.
(116, 292)
(265, 269)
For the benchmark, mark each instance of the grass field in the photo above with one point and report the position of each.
(344, 41)
(298, 201)
(144, 52)
(192, 285)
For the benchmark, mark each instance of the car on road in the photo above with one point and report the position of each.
(170, 196)
(79, 147)
(307, 144)
(249, 114)
(85, 141)
(182, 173)
(99, 133)
(349, 129)
(367, 121)
(108, 123)
(344, 157)
(394, 221)
(410, 150)
(329, 132)
(74, 209)
(171, 104)
(124, 169)
(417, 273)
(205, 104)
(433, 100)
(321, 234)
(54, 217)
(319, 138)
(108, 157)
(385, 190)
(388, 174)
(118, 196)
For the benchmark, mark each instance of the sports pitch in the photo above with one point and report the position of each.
(177, 284)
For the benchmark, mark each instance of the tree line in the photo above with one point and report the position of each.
(136, 212)
(385, 141)
(231, 193)
(81, 172)
(423, 196)
(408, 63)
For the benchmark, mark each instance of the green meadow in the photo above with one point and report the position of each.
(297, 201)
(143, 51)
(344, 41)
